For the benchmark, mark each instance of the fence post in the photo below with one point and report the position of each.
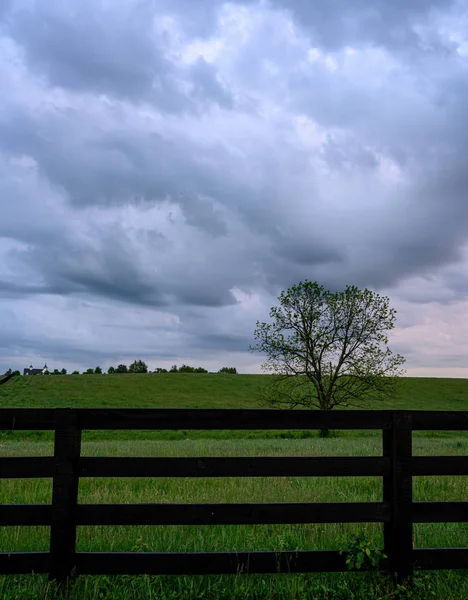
(398, 491)
(64, 494)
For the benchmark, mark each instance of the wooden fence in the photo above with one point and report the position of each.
(6, 378)
(396, 466)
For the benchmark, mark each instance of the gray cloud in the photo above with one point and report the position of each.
(117, 49)
(341, 23)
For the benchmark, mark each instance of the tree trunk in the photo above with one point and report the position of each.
(326, 433)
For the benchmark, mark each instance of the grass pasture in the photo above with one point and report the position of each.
(218, 391)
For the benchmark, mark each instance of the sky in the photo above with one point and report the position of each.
(167, 167)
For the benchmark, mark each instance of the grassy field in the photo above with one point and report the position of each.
(196, 390)
(189, 390)
(193, 390)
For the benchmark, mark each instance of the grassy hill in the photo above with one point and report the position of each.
(193, 390)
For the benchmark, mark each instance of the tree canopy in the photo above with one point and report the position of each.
(328, 349)
(138, 366)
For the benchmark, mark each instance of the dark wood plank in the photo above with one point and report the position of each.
(271, 466)
(440, 420)
(439, 465)
(399, 535)
(440, 512)
(16, 467)
(25, 514)
(244, 419)
(64, 493)
(194, 563)
(441, 558)
(231, 514)
(7, 378)
(387, 489)
(13, 563)
(139, 418)
(26, 419)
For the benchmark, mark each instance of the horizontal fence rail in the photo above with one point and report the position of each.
(397, 466)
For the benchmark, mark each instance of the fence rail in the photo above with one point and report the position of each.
(6, 378)
(396, 466)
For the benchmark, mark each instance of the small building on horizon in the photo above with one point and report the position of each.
(32, 371)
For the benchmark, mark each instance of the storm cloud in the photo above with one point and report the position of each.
(167, 168)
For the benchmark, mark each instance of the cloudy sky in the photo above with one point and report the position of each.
(167, 167)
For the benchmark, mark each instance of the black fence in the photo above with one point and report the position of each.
(6, 378)
(396, 466)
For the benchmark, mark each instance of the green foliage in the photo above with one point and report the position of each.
(55, 372)
(361, 554)
(111, 370)
(138, 366)
(88, 372)
(98, 371)
(63, 372)
(187, 369)
(328, 349)
(415, 588)
(230, 370)
(121, 369)
(11, 372)
(75, 373)
(326, 433)
(160, 370)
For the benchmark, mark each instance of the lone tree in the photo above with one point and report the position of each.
(328, 349)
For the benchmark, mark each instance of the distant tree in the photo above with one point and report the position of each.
(75, 373)
(55, 372)
(63, 372)
(11, 372)
(98, 371)
(121, 369)
(88, 372)
(138, 366)
(189, 369)
(111, 370)
(174, 369)
(230, 370)
(160, 370)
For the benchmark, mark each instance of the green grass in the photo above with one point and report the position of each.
(181, 390)
(187, 390)
(222, 391)
(194, 390)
